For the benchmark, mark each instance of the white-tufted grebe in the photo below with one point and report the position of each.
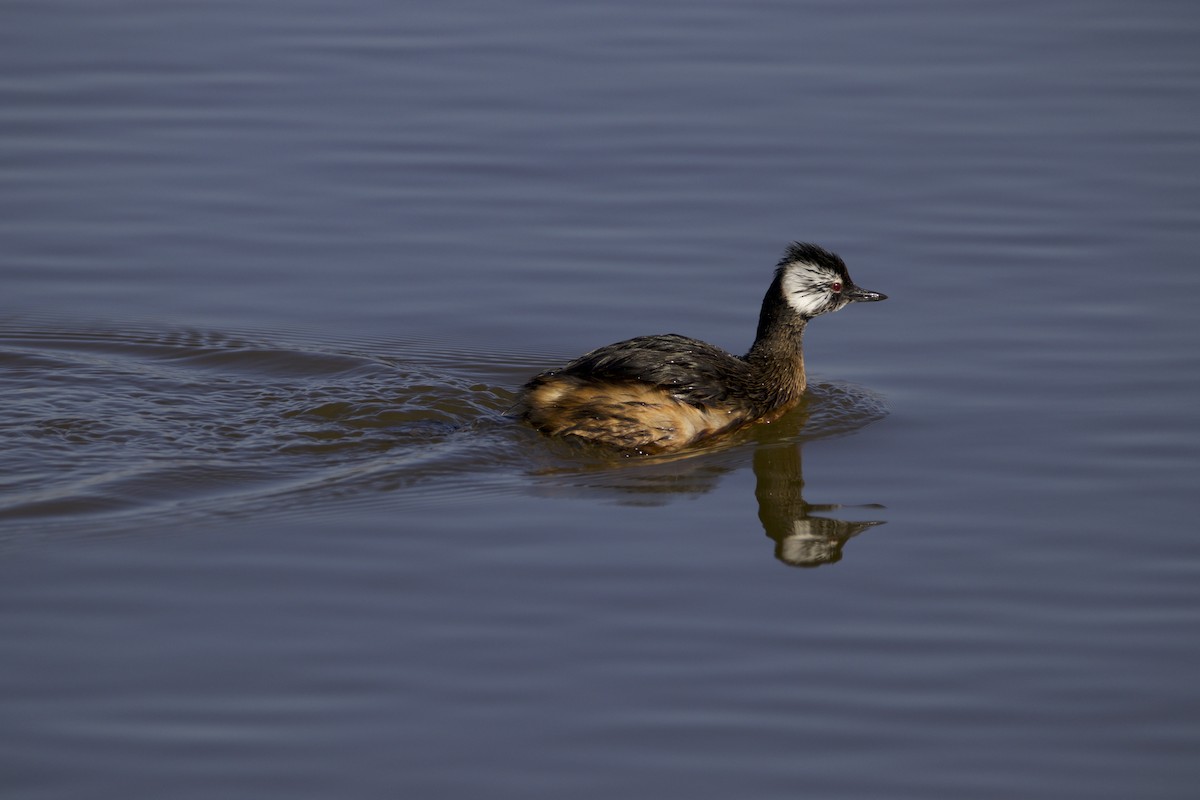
(654, 394)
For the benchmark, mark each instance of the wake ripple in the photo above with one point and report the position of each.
(113, 428)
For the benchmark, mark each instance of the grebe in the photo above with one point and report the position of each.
(654, 394)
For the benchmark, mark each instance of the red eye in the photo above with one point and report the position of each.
(835, 287)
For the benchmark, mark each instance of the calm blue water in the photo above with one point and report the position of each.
(273, 272)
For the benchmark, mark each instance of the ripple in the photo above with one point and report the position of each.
(113, 427)
(112, 421)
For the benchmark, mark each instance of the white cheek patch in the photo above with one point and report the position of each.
(805, 292)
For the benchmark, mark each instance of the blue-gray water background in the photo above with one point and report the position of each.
(271, 272)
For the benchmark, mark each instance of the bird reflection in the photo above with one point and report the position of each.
(801, 539)
(804, 533)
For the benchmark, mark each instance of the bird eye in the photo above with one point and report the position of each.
(835, 287)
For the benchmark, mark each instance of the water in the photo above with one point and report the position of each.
(272, 274)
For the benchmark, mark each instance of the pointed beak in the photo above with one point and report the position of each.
(863, 296)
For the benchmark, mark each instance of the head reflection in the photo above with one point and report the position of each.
(801, 539)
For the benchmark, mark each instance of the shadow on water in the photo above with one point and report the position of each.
(123, 430)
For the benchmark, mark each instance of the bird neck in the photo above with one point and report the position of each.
(777, 360)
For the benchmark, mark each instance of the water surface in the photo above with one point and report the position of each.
(273, 273)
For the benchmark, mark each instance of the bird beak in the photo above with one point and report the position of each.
(863, 296)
